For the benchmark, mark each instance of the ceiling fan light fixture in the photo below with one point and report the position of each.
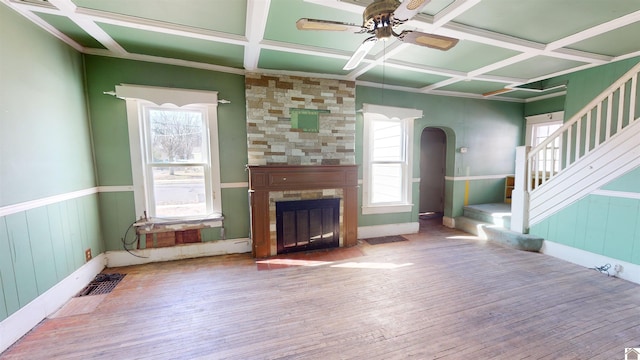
(384, 33)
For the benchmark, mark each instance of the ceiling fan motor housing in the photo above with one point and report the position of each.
(378, 15)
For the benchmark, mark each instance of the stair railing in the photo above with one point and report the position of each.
(604, 117)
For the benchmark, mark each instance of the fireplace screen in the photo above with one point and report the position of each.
(307, 224)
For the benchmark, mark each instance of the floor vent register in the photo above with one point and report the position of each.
(102, 284)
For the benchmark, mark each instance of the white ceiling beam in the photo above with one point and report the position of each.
(452, 11)
(161, 27)
(256, 23)
(473, 96)
(498, 79)
(304, 49)
(167, 61)
(26, 12)
(68, 9)
(577, 55)
(42, 8)
(343, 5)
(434, 92)
(440, 84)
(477, 74)
(626, 56)
(595, 30)
(425, 69)
(305, 74)
(559, 73)
(465, 32)
(500, 64)
(546, 96)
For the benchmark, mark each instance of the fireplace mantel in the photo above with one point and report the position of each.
(266, 178)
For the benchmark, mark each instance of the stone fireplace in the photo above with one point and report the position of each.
(288, 162)
(269, 185)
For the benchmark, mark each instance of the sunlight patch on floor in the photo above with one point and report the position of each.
(294, 262)
(370, 265)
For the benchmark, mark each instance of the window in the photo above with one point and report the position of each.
(176, 168)
(174, 152)
(388, 139)
(539, 128)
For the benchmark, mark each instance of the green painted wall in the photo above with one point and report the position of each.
(544, 106)
(605, 225)
(491, 130)
(111, 139)
(44, 137)
(629, 182)
(45, 151)
(584, 86)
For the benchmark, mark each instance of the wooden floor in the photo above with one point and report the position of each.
(441, 295)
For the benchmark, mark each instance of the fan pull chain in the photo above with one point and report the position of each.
(384, 60)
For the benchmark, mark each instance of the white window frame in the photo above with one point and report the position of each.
(536, 121)
(138, 99)
(406, 118)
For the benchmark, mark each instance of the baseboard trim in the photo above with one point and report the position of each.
(630, 272)
(210, 248)
(449, 222)
(23, 320)
(365, 232)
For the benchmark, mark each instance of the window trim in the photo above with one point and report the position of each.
(554, 118)
(138, 97)
(406, 117)
(541, 119)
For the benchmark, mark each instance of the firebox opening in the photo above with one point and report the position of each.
(307, 224)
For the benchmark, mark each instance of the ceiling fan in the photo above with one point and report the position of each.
(381, 18)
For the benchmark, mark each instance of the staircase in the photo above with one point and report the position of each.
(596, 145)
(492, 222)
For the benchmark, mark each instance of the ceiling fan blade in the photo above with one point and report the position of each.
(314, 24)
(429, 40)
(409, 9)
(360, 53)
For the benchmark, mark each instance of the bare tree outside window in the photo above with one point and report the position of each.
(175, 135)
(176, 140)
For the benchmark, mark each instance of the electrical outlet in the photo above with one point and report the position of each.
(87, 255)
(618, 268)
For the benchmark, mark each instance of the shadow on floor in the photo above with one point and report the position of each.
(430, 220)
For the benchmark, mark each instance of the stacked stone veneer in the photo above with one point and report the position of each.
(270, 138)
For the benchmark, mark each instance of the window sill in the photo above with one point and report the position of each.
(154, 225)
(386, 209)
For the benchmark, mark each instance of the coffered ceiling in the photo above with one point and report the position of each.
(508, 49)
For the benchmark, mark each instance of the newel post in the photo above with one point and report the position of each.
(520, 195)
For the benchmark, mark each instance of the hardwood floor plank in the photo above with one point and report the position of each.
(441, 295)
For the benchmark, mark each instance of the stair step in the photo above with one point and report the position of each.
(497, 213)
(499, 234)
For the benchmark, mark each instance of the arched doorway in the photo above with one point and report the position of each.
(433, 150)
